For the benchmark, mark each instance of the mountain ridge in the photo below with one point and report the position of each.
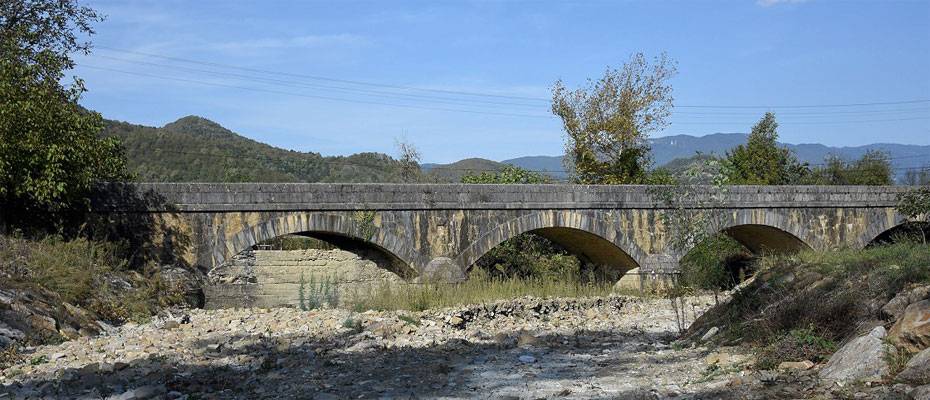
(196, 149)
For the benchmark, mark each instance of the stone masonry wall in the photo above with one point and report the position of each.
(271, 278)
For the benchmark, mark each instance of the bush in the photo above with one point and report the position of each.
(797, 345)
(717, 263)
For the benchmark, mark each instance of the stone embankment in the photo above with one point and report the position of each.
(276, 278)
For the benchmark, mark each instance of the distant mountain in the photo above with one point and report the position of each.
(195, 149)
(545, 164)
(668, 148)
(454, 172)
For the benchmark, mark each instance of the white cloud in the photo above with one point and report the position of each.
(770, 3)
(306, 41)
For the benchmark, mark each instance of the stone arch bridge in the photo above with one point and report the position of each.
(438, 231)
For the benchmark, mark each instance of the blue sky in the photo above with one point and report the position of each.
(344, 77)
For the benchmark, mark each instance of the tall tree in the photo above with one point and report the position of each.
(873, 168)
(50, 154)
(761, 161)
(608, 122)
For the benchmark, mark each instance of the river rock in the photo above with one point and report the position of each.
(896, 306)
(796, 365)
(912, 331)
(862, 359)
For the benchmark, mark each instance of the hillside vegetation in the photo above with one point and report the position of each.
(195, 149)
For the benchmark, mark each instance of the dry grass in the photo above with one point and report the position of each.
(86, 273)
(479, 288)
(799, 304)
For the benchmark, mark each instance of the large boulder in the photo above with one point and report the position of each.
(862, 359)
(912, 331)
(917, 370)
(896, 306)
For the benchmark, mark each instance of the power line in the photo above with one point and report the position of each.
(480, 94)
(272, 91)
(321, 78)
(290, 83)
(413, 106)
(477, 102)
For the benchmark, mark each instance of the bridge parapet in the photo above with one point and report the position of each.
(324, 196)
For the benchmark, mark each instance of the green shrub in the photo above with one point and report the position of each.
(313, 294)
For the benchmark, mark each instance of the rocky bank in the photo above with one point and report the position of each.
(528, 348)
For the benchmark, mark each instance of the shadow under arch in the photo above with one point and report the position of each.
(919, 230)
(592, 238)
(761, 231)
(340, 231)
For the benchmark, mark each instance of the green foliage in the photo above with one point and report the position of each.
(50, 155)
(509, 174)
(660, 176)
(873, 168)
(528, 255)
(353, 325)
(194, 149)
(761, 161)
(302, 293)
(608, 123)
(713, 264)
(313, 293)
(915, 203)
(38, 360)
(365, 223)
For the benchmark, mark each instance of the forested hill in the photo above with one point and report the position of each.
(195, 149)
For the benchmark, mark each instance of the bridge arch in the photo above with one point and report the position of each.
(331, 227)
(761, 230)
(884, 229)
(592, 236)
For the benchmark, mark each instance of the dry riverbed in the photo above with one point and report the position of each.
(614, 347)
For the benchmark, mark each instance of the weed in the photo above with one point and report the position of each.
(896, 358)
(354, 325)
(365, 223)
(38, 360)
(302, 292)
